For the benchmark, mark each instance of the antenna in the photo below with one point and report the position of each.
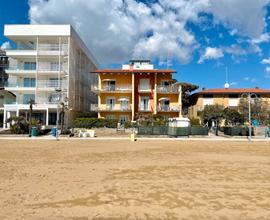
(226, 85)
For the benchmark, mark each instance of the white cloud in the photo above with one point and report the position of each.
(211, 53)
(263, 38)
(265, 61)
(250, 79)
(267, 70)
(6, 45)
(117, 30)
(244, 17)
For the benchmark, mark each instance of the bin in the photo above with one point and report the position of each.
(33, 131)
(54, 131)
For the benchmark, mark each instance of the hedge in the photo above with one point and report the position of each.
(95, 123)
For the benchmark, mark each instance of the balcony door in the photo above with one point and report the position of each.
(27, 98)
(111, 85)
(124, 104)
(110, 103)
(144, 103)
(144, 84)
(165, 105)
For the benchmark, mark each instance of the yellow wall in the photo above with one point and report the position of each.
(161, 77)
(121, 78)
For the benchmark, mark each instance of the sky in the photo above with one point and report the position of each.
(200, 39)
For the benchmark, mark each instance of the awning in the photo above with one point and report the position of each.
(163, 99)
(123, 99)
(107, 80)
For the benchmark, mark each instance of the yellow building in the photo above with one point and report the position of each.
(226, 97)
(136, 89)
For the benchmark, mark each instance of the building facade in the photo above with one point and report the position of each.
(136, 89)
(224, 97)
(49, 65)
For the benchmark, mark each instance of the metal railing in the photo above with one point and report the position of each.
(42, 47)
(167, 108)
(95, 107)
(167, 89)
(20, 85)
(42, 66)
(52, 84)
(142, 88)
(117, 88)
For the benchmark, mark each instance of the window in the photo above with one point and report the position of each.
(54, 66)
(28, 97)
(144, 84)
(165, 105)
(123, 119)
(144, 103)
(53, 83)
(110, 103)
(165, 83)
(124, 104)
(29, 66)
(29, 82)
(111, 85)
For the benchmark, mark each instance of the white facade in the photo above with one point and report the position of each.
(138, 65)
(50, 64)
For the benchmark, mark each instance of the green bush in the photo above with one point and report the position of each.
(195, 121)
(95, 123)
(18, 125)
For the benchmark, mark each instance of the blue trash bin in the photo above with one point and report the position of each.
(54, 131)
(33, 131)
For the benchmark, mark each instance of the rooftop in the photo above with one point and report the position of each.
(234, 91)
(133, 71)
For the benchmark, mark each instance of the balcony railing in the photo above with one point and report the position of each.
(20, 85)
(42, 66)
(167, 108)
(144, 88)
(167, 89)
(52, 84)
(42, 47)
(95, 107)
(117, 88)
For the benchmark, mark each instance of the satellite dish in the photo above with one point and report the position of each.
(227, 85)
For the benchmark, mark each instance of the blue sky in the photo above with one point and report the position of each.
(199, 39)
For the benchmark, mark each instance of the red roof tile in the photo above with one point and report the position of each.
(234, 91)
(133, 71)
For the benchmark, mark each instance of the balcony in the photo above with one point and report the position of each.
(167, 89)
(145, 110)
(108, 108)
(119, 88)
(16, 86)
(167, 108)
(51, 85)
(43, 67)
(41, 49)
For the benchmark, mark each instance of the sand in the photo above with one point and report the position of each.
(94, 179)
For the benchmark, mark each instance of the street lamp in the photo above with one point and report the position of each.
(31, 103)
(248, 95)
(60, 104)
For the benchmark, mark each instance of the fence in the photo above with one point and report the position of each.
(172, 131)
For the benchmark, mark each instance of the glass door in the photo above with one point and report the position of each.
(110, 103)
(144, 104)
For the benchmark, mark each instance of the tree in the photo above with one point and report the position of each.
(212, 112)
(187, 89)
(258, 108)
(232, 116)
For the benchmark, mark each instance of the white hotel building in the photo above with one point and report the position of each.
(50, 64)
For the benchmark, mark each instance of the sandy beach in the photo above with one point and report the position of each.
(112, 179)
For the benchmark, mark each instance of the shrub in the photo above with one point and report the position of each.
(195, 122)
(95, 123)
(18, 125)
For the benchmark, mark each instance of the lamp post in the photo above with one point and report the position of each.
(31, 103)
(249, 112)
(58, 91)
